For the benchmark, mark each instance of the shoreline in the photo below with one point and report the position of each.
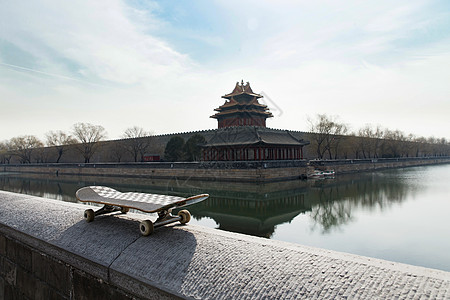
(237, 171)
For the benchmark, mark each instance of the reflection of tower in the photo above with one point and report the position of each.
(255, 214)
(242, 108)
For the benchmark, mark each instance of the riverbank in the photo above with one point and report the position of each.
(47, 249)
(238, 171)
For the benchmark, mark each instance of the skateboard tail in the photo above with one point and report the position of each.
(187, 201)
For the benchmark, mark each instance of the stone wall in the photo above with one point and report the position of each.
(363, 165)
(47, 251)
(210, 171)
(241, 171)
(27, 273)
(113, 150)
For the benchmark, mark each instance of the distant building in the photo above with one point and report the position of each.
(242, 133)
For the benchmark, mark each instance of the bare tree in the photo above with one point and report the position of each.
(24, 146)
(350, 147)
(327, 133)
(443, 145)
(320, 129)
(41, 155)
(377, 136)
(117, 151)
(60, 141)
(88, 136)
(136, 142)
(5, 152)
(393, 143)
(365, 135)
(339, 134)
(421, 146)
(438, 146)
(370, 140)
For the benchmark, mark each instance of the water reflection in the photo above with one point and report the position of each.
(47, 187)
(332, 202)
(257, 215)
(255, 209)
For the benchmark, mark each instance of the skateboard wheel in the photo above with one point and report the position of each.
(146, 227)
(185, 216)
(124, 210)
(89, 215)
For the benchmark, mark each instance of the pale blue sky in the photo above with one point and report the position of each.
(163, 65)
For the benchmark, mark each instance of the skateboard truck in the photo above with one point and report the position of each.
(146, 227)
(164, 217)
(89, 214)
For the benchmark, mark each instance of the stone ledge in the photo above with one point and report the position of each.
(197, 262)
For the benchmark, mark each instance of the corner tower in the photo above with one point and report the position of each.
(242, 108)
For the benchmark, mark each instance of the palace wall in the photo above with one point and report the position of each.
(112, 151)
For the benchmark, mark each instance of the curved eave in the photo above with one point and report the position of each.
(264, 114)
(228, 96)
(256, 143)
(236, 104)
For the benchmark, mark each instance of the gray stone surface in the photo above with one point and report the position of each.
(197, 262)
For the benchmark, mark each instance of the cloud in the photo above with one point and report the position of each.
(96, 40)
(164, 67)
(412, 96)
(82, 61)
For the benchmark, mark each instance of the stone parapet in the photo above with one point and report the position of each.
(48, 251)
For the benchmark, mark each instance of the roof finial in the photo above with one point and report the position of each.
(242, 82)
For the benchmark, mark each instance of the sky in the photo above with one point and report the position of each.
(164, 65)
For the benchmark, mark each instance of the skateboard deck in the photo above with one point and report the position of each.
(114, 200)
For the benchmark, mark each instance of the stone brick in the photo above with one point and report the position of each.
(33, 288)
(2, 245)
(11, 293)
(8, 271)
(53, 272)
(87, 287)
(18, 253)
(26, 283)
(2, 288)
(45, 292)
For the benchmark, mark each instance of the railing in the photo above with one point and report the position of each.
(176, 165)
(317, 162)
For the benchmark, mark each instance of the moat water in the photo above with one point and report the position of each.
(401, 215)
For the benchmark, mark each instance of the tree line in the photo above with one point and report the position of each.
(178, 150)
(332, 139)
(85, 138)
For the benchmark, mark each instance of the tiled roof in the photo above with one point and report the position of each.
(242, 89)
(253, 135)
(265, 113)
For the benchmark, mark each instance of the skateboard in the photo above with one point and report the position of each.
(114, 201)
